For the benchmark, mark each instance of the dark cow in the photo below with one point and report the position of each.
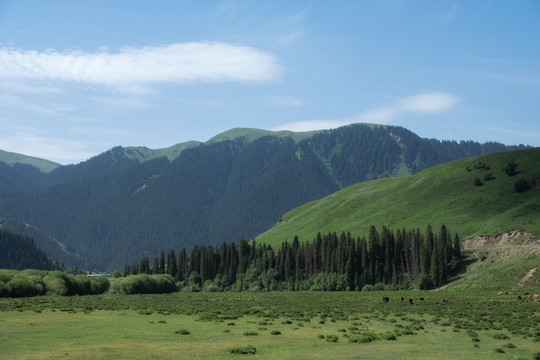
(421, 299)
(385, 299)
(410, 301)
(401, 299)
(444, 300)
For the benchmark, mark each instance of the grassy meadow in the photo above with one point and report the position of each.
(280, 325)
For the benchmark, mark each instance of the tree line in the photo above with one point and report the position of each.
(385, 259)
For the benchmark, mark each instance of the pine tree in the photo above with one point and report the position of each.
(172, 267)
(162, 264)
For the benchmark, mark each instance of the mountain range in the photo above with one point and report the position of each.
(131, 202)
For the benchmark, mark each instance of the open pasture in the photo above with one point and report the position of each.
(281, 325)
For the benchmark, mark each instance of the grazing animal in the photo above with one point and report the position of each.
(444, 300)
(536, 297)
(500, 293)
(385, 299)
(410, 301)
(529, 297)
(421, 299)
(519, 297)
(401, 299)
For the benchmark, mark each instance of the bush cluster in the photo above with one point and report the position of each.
(14, 283)
(143, 284)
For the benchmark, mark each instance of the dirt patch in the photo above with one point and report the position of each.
(513, 237)
(527, 276)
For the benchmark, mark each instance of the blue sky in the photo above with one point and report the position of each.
(79, 77)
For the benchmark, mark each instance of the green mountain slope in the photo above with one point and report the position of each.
(501, 269)
(442, 194)
(45, 166)
(250, 134)
(143, 153)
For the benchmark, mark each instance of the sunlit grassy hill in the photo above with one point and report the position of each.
(251, 134)
(43, 165)
(442, 194)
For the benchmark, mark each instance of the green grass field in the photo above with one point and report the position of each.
(280, 325)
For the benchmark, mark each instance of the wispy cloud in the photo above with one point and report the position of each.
(426, 103)
(58, 150)
(201, 102)
(291, 37)
(523, 134)
(120, 103)
(182, 63)
(285, 101)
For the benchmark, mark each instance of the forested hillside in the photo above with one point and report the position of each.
(19, 252)
(115, 208)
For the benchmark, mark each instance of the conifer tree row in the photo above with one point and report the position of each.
(386, 258)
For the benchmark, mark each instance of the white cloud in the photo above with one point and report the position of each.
(433, 102)
(177, 63)
(426, 103)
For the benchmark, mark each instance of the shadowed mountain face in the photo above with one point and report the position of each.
(114, 208)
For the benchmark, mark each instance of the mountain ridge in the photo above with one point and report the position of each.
(112, 209)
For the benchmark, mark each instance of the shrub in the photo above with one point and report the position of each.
(522, 185)
(478, 182)
(332, 338)
(275, 332)
(389, 336)
(250, 333)
(55, 285)
(407, 332)
(425, 282)
(499, 350)
(501, 336)
(21, 286)
(368, 337)
(182, 332)
(243, 350)
(145, 284)
(511, 168)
